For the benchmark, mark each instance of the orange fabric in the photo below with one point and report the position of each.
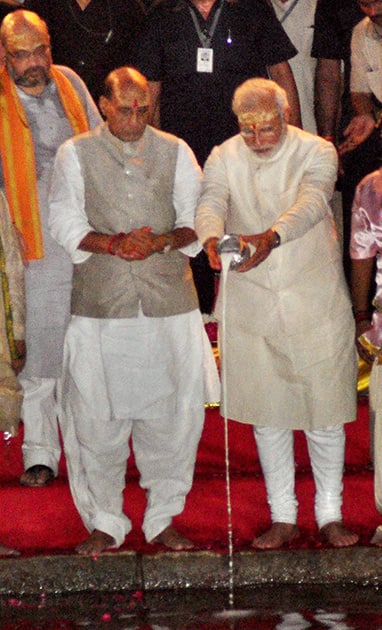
(17, 153)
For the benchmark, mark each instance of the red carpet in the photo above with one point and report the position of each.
(38, 520)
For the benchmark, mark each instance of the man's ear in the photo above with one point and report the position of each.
(287, 114)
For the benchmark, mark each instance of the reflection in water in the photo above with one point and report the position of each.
(301, 621)
(279, 607)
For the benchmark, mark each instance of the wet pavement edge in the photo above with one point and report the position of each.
(61, 574)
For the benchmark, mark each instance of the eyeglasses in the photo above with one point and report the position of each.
(139, 111)
(23, 55)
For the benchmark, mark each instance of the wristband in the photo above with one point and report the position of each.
(112, 241)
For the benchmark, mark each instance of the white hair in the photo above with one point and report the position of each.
(249, 93)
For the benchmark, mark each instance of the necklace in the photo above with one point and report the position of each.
(106, 34)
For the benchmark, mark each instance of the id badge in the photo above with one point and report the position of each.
(204, 60)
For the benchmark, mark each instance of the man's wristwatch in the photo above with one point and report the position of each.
(277, 240)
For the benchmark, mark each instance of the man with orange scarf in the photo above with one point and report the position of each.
(41, 106)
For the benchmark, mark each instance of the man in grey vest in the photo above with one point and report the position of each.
(122, 205)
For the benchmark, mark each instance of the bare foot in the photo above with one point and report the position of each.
(171, 538)
(276, 536)
(37, 476)
(6, 551)
(377, 538)
(335, 534)
(96, 543)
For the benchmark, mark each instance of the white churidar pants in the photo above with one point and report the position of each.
(327, 451)
(140, 377)
(40, 410)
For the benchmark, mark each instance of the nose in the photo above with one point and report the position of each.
(133, 118)
(257, 138)
(34, 60)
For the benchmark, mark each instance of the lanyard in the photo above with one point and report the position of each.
(288, 12)
(204, 39)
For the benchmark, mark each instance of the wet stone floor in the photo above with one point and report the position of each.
(263, 608)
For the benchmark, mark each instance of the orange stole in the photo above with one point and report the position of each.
(18, 159)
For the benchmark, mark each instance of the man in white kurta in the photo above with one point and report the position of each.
(122, 204)
(290, 334)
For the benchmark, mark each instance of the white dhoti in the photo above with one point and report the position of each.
(140, 377)
(40, 410)
(326, 449)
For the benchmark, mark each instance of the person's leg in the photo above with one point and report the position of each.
(41, 446)
(96, 443)
(166, 437)
(275, 448)
(165, 453)
(327, 454)
(98, 481)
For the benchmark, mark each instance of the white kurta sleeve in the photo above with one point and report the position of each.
(314, 192)
(68, 222)
(212, 210)
(187, 184)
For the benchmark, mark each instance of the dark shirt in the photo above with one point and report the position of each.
(197, 105)
(4, 10)
(333, 25)
(94, 41)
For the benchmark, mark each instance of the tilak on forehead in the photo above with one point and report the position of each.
(135, 98)
(259, 116)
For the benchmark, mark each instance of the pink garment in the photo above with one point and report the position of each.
(366, 242)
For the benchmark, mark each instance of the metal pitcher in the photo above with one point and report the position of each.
(233, 244)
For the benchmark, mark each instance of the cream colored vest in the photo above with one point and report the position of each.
(123, 192)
